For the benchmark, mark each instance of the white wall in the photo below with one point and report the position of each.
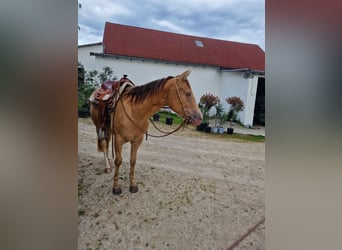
(234, 84)
(202, 79)
(250, 101)
(84, 57)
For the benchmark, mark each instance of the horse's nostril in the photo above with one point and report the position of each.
(199, 116)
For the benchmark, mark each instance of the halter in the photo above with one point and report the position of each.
(186, 120)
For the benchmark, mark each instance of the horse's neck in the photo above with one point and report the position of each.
(151, 104)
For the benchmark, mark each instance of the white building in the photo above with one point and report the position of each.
(222, 68)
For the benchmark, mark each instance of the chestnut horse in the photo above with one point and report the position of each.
(130, 119)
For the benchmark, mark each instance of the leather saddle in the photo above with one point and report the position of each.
(105, 98)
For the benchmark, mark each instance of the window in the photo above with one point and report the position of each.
(199, 43)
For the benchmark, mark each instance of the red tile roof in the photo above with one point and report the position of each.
(137, 42)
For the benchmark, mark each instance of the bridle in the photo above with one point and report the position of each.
(186, 120)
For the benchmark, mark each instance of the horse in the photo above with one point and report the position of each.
(130, 118)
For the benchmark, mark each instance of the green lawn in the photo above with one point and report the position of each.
(176, 119)
(254, 138)
(235, 136)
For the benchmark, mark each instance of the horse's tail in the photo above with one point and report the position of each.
(100, 145)
(102, 136)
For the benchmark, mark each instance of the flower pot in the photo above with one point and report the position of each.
(214, 130)
(230, 131)
(220, 130)
(208, 129)
(202, 126)
(83, 113)
(156, 117)
(168, 120)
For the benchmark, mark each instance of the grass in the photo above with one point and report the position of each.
(176, 119)
(233, 137)
(253, 138)
(192, 132)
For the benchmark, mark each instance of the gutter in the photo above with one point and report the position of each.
(248, 73)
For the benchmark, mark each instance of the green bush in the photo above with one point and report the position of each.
(88, 82)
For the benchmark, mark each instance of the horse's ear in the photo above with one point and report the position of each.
(185, 74)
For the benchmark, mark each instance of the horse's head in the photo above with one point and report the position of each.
(182, 100)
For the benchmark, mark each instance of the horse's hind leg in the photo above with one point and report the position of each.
(134, 149)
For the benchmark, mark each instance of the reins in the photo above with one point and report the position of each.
(166, 133)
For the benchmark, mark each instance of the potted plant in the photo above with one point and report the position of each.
(219, 113)
(222, 119)
(207, 101)
(230, 130)
(156, 117)
(236, 105)
(204, 124)
(169, 119)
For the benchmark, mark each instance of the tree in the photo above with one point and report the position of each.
(106, 75)
(236, 105)
(91, 81)
(207, 101)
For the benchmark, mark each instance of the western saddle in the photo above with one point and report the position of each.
(106, 97)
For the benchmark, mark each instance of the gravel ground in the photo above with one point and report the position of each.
(195, 192)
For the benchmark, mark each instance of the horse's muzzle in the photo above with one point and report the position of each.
(195, 119)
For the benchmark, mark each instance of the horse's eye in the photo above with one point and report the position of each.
(187, 93)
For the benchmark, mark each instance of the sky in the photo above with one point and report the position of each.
(230, 20)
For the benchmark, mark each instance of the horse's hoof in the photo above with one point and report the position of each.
(107, 170)
(117, 191)
(133, 189)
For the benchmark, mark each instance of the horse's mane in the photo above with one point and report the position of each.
(139, 93)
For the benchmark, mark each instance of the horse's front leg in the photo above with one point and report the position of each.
(134, 149)
(118, 160)
(105, 153)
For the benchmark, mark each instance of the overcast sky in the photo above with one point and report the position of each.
(231, 20)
